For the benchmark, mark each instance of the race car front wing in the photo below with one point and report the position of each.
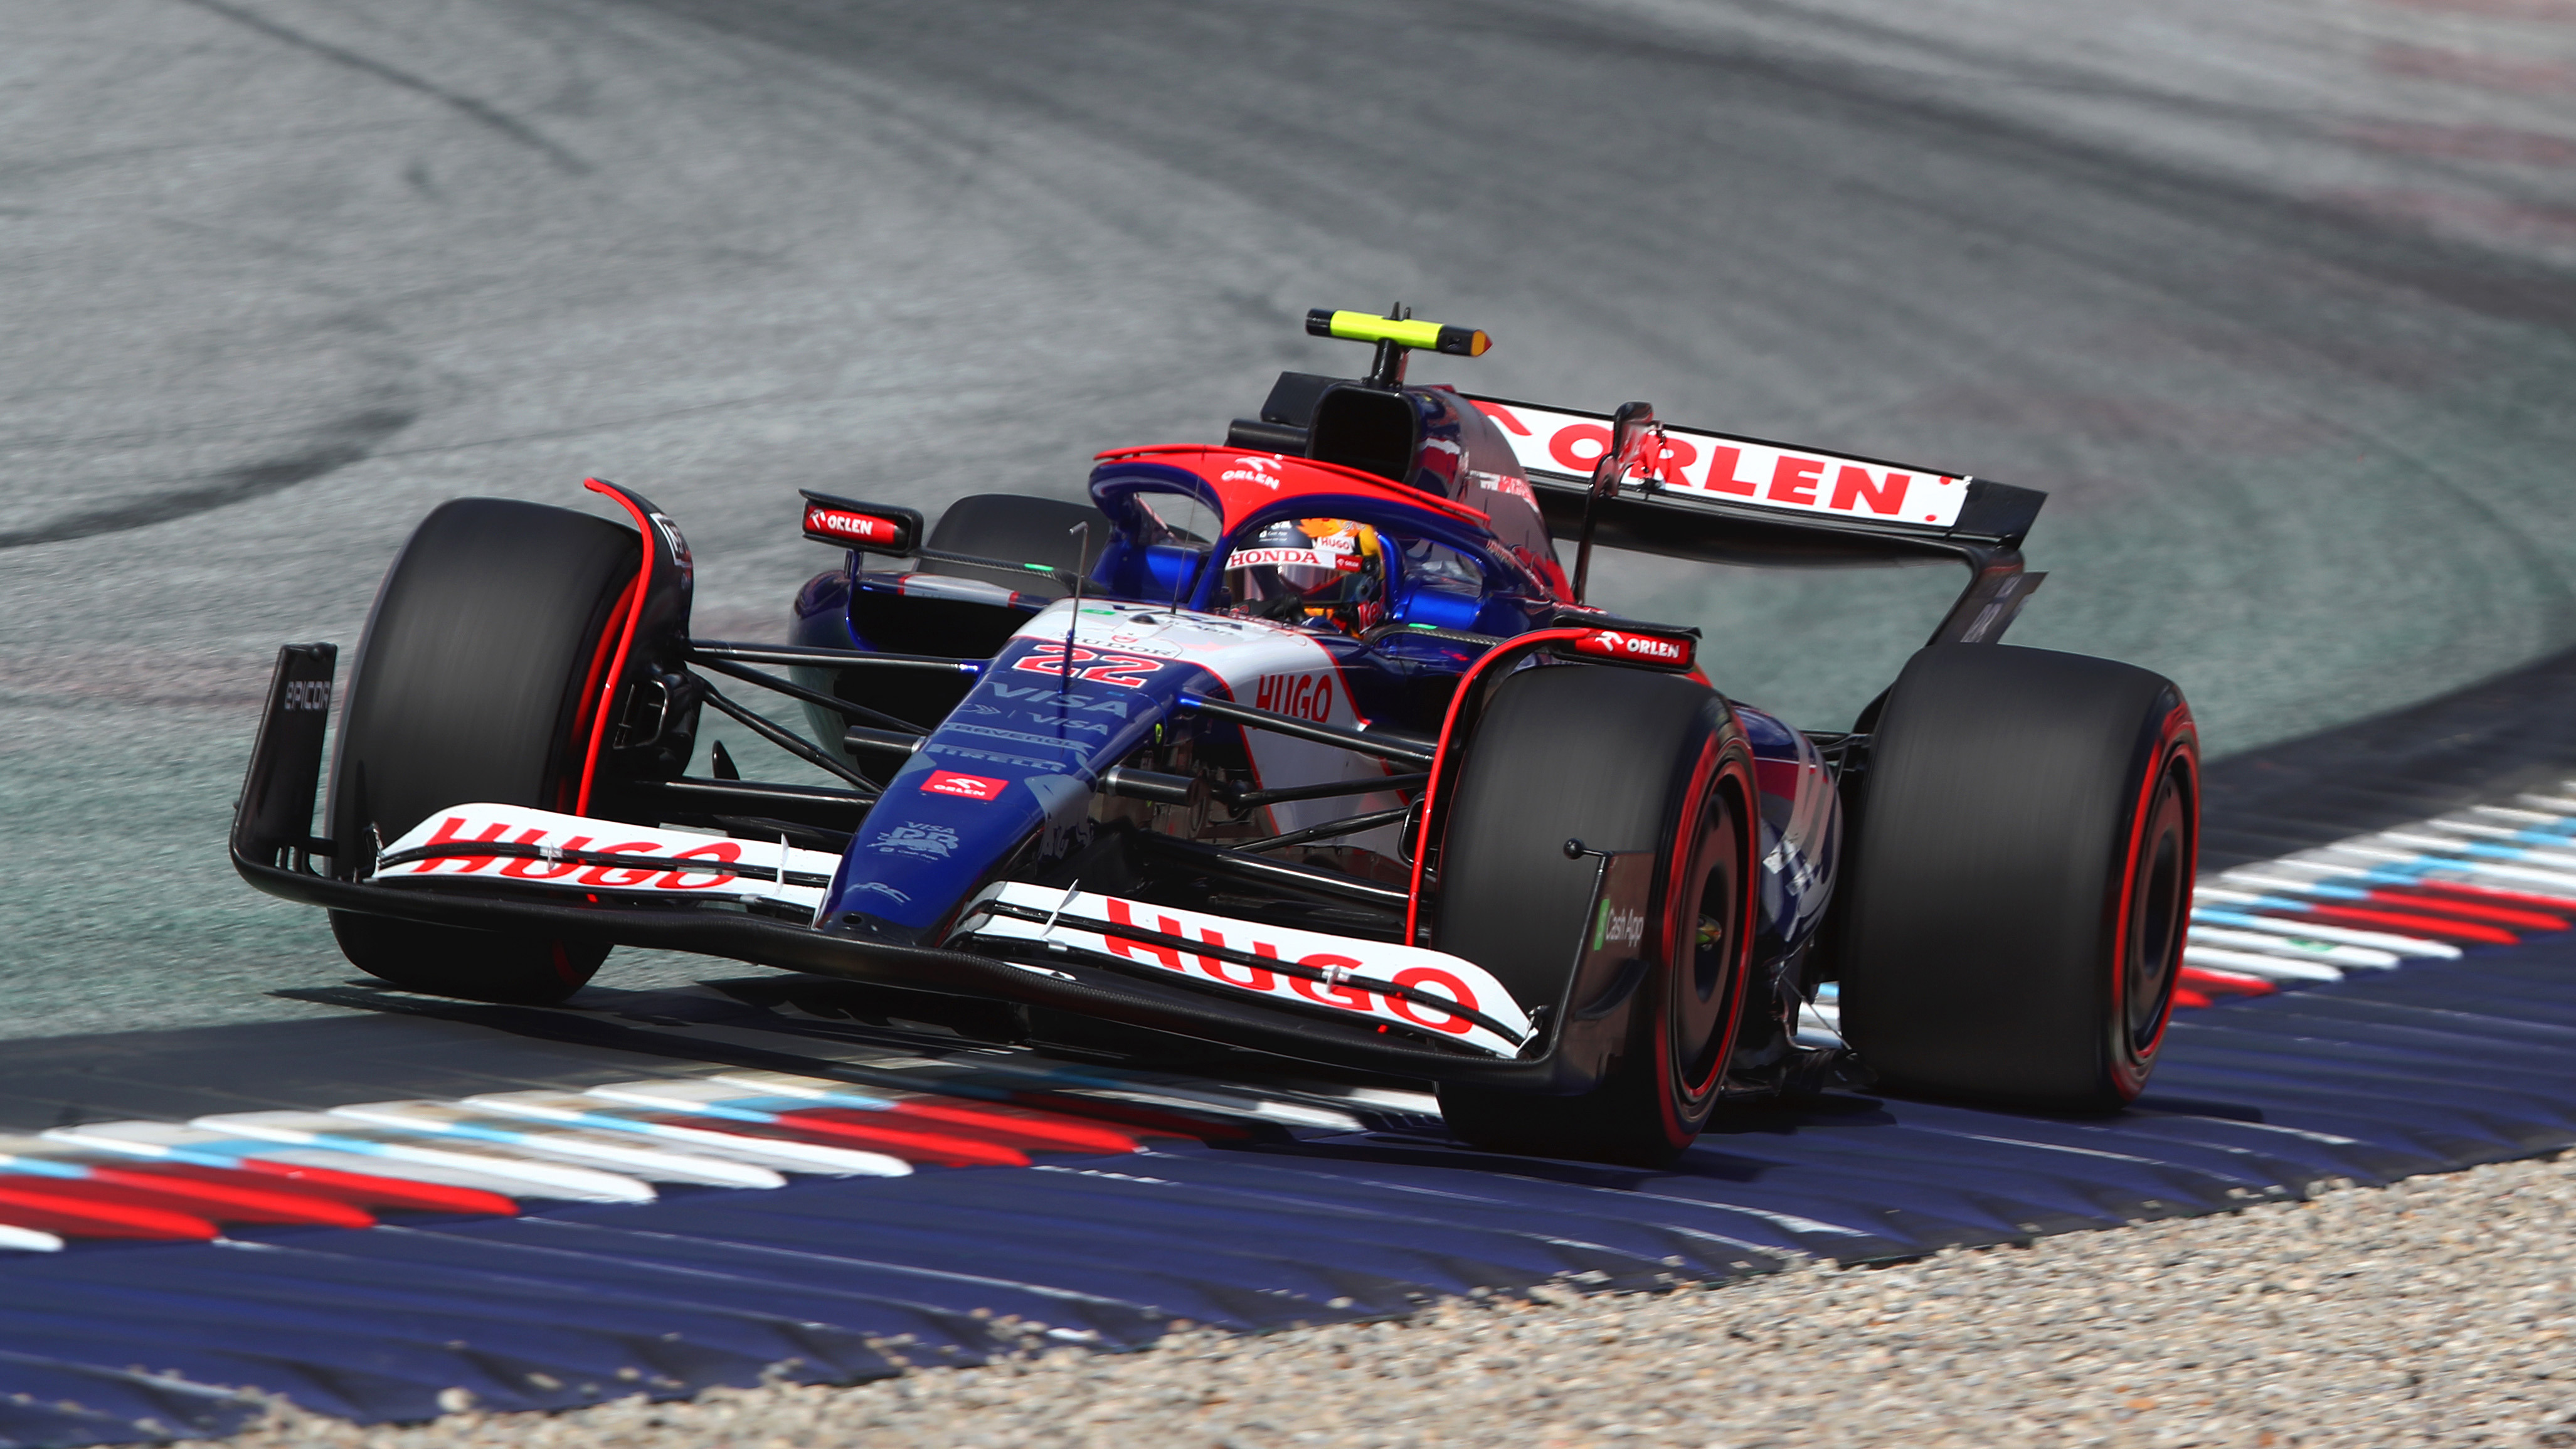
(1368, 1005)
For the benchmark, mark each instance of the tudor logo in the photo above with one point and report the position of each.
(1644, 648)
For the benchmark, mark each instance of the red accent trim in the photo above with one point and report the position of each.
(588, 704)
(1693, 821)
(2496, 915)
(626, 639)
(1512, 650)
(1325, 478)
(1748, 878)
(2406, 921)
(2184, 997)
(2177, 735)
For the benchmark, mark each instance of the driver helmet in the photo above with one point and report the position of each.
(1311, 568)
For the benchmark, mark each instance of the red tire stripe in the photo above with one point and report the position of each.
(569, 796)
(2177, 738)
(625, 641)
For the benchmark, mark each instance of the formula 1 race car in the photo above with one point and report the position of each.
(1305, 744)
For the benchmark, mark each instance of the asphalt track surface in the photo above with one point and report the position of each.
(426, 1205)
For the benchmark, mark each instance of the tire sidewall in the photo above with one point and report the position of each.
(1687, 1093)
(1552, 746)
(2171, 753)
(475, 681)
(1984, 919)
(410, 589)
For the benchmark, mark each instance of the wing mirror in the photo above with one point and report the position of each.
(1636, 445)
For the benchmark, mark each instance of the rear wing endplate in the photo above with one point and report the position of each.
(1715, 498)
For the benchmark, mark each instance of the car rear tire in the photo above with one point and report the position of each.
(2020, 878)
(1623, 760)
(475, 681)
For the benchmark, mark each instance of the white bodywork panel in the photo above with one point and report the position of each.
(1075, 913)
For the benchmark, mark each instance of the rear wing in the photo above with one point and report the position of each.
(1719, 499)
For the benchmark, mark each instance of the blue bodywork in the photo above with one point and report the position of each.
(1006, 780)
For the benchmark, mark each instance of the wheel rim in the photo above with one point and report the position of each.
(1710, 948)
(2159, 896)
